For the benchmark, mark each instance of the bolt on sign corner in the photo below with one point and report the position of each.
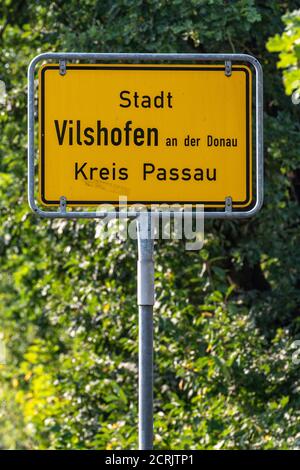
(150, 133)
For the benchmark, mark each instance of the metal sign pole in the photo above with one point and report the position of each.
(145, 295)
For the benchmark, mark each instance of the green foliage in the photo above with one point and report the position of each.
(225, 317)
(288, 46)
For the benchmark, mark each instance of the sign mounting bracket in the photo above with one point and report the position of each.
(62, 67)
(228, 204)
(63, 204)
(228, 68)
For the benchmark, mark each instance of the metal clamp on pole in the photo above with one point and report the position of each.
(145, 294)
(62, 67)
(228, 204)
(228, 68)
(63, 204)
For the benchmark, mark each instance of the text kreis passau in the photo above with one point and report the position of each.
(149, 171)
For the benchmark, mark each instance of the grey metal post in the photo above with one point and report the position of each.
(145, 294)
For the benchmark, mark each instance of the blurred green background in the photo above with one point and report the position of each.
(226, 317)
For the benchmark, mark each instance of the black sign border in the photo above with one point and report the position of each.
(247, 203)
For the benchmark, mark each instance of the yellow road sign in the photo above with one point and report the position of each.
(150, 133)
